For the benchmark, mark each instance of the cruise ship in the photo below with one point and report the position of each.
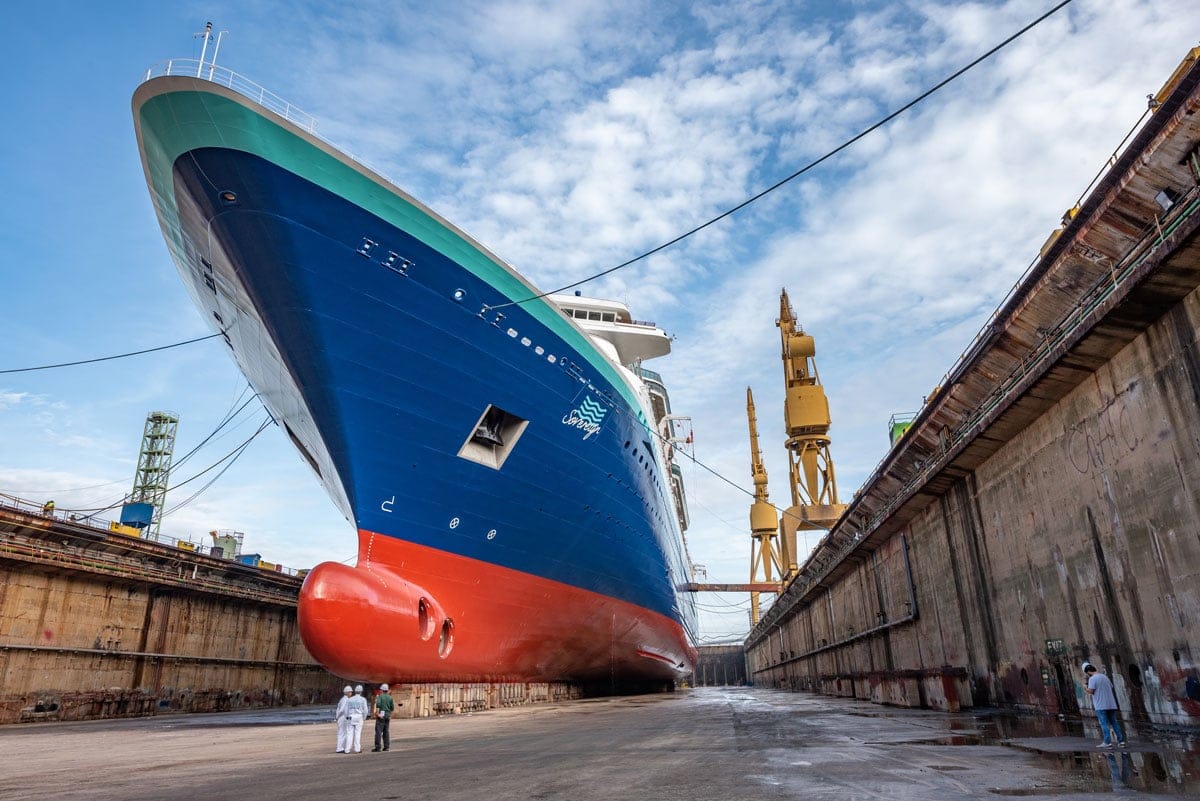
(505, 456)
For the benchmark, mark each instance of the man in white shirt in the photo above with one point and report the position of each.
(1104, 701)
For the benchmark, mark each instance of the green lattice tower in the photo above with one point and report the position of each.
(154, 466)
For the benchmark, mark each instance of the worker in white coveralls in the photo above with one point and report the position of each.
(357, 706)
(343, 719)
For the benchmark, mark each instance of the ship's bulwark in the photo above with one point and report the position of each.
(363, 322)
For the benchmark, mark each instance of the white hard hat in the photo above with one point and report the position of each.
(383, 688)
(358, 688)
(347, 689)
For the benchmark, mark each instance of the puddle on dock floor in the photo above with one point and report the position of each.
(1156, 763)
(1148, 771)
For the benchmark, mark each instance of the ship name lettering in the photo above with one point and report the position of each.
(573, 419)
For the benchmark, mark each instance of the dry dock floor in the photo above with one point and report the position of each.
(724, 744)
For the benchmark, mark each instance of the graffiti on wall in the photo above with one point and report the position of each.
(1096, 443)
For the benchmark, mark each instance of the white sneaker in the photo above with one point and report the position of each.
(1105, 745)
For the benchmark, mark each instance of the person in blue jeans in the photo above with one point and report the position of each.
(1104, 701)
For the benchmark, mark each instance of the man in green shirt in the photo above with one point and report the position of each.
(384, 706)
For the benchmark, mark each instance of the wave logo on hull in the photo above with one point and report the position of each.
(587, 418)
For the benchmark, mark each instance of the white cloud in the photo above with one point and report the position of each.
(10, 399)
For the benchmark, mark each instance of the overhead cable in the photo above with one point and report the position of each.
(228, 418)
(233, 453)
(110, 358)
(237, 455)
(879, 124)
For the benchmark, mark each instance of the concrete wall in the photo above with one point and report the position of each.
(720, 666)
(76, 646)
(1078, 539)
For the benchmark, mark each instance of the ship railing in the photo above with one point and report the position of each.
(94, 521)
(208, 71)
(650, 374)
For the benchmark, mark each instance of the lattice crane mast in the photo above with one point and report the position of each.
(144, 508)
(764, 521)
(815, 504)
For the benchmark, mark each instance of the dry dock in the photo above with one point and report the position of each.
(1043, 509)
(739, 744)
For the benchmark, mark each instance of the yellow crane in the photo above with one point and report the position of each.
(764, 521)
(815, 504)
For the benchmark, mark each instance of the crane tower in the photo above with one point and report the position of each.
(764, 521)
(154, 467)
(815, 504)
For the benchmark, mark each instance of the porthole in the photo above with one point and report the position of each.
(227, 197)
(446, 641)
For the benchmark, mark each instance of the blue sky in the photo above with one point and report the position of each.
(568, 137)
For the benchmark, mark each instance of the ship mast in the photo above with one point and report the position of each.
(207, 35)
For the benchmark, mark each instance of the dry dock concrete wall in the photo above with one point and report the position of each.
(1079, 539)
(1044, 509)
(95, 624)
(720, 666)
